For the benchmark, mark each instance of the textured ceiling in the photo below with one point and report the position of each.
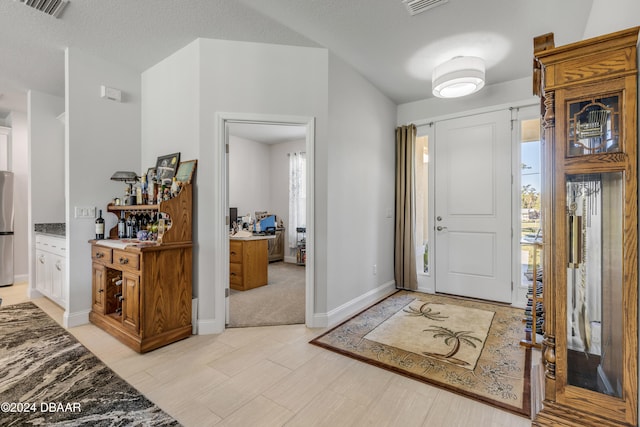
(393, 50)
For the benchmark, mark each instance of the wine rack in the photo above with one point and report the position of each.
(142, 291)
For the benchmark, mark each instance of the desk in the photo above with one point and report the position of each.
(248, 262)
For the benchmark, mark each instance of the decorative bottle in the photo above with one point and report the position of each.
(122, 227)
(175, 188)
(151, 191)
(100, 227)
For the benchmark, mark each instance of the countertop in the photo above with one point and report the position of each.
(253, 237)
(57, 229)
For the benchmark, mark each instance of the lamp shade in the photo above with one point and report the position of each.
(460, 76)
(124, 176)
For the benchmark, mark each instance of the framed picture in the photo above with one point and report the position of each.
(166, 167)
(186, 170)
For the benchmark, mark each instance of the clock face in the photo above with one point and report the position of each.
(593, 126)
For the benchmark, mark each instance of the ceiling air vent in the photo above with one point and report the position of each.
(50, 7)
(418, 6)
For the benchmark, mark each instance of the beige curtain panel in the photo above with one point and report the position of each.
(405, 245)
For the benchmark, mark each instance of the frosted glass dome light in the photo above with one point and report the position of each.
(460, 76)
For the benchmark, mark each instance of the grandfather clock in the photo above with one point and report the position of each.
(590, 219)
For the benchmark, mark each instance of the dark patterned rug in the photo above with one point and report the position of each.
(48, 378)
(465, 346)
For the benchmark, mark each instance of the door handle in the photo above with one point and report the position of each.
(440, 228)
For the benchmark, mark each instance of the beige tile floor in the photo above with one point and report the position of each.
(271, 376)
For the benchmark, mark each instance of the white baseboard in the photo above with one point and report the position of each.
(350, 308)
(33, 293)
(70, 320)
(208, 327)
(194, 316)
(19, 278)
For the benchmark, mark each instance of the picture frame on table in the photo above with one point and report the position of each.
(166, 167)
(185, 171)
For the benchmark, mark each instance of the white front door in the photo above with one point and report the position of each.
(473, 206)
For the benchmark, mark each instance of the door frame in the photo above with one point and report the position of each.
(518, 114)
(426, 281)
(221, 238)
(426, 127)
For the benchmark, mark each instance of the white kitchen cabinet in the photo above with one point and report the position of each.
(51, 261)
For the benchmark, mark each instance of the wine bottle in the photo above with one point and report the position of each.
(99, 227)
(134, 226)
(129, 228)
(122, 227)
(144, 197)
(151, 191)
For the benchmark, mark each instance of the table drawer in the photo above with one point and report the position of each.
(102, 254)
(235, 274)
(235, 251)
(126, 259)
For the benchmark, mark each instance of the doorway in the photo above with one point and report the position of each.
(225, 123)
(267, 164)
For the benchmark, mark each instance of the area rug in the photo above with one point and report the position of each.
(48, 378)
(465, 346)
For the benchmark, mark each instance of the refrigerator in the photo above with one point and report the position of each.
(6, 228)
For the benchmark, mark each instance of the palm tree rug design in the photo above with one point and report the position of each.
(48, 378)
(465, 346)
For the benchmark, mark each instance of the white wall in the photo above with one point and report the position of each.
(46, 164)
(253, 78)
(226, 76)
(20, 167)
(608, 16)
(170, 108)
(249, 177)
(47, 157)
(516, 92)
(102, 136)
(361, 189)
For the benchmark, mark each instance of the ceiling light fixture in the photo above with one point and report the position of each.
(460, 76)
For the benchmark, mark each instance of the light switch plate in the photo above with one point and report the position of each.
(84, 212)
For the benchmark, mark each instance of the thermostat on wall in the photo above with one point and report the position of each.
(110, 93)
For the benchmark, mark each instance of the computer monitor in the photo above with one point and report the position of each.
(233, 216)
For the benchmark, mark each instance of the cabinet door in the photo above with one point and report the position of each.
(98, 287)
(43, 283)
(131, 302)
(57, 278)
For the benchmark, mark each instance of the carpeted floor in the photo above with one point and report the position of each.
(280, 302)
(466, 346)
(48, 378)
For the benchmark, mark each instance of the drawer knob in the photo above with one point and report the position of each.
(233, 253)
(99, 254)
(100, 291)
(124, 260)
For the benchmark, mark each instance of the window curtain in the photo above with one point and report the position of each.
(297, 194)
(405, 240)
